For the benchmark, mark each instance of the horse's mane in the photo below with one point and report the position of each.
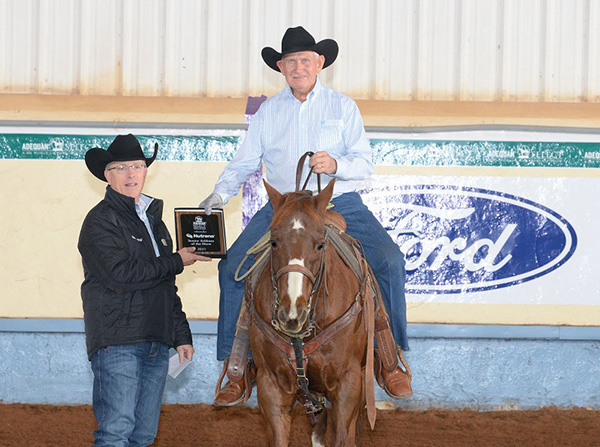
(297, 202)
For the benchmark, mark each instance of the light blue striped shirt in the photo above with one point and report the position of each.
(284, 129)
(141, 207)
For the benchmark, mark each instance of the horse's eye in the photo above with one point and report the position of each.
(320, 246)
(273, 244)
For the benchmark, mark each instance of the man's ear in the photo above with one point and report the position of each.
(279, 65)
(106, 174)
(320, 63)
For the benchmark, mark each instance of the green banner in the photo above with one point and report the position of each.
(486, 153)
(385, 151)
(74, 147)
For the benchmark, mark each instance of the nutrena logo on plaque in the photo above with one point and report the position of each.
(194, 228)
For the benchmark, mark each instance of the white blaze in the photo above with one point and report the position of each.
(315, 441)
(294, 287)
(297, 225)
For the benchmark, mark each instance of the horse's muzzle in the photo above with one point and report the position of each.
(291, 325)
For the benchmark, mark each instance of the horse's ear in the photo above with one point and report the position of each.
(275, 196)
(324, 196)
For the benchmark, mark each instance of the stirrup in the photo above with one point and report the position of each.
(379, 368)
(220, 380)
(407, 370)
(247, 382)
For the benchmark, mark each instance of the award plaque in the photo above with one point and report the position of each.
(194, 228)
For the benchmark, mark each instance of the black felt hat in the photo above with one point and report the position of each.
(298, 39)
(123, 148)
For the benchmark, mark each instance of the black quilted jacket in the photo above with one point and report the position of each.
(129, 294)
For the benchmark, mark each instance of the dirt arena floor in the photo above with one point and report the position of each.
(204, 425)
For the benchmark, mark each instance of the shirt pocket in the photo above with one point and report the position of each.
(329, 134)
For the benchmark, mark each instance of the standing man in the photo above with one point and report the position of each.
(307, 116)
(132, 313)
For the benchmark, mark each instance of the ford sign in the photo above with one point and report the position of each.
(461, 239)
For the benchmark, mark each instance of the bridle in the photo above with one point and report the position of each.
(316, 281)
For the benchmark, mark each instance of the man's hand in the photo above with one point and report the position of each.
(185, 351)
(214, 200)
(323, 163)
(189, 257)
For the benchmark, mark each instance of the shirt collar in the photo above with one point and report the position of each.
(144, 203)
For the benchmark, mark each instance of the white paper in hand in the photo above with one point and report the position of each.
(175, 367)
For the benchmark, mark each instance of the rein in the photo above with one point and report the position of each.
(299, 170)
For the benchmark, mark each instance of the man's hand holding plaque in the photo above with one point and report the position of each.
(202, 228)
(189, 256)
(214, 200)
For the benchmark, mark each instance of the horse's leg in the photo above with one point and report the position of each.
(319, 429)
(346, 405)
(276, 407)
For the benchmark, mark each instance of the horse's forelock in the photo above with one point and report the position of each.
(297, 202)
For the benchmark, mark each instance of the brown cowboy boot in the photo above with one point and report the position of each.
(394, 380)
(234, 393)
(241, 373)
(396, 383)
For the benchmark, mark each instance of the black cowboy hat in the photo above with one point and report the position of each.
(298, 39)
(123, 148)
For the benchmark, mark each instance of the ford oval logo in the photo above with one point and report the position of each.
(461, 239)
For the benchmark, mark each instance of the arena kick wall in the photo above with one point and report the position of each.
(519, 329)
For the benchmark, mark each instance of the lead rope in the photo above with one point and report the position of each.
(261, 246)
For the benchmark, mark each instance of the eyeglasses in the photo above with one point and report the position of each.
(121, 169)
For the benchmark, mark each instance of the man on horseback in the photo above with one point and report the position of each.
(308, 116)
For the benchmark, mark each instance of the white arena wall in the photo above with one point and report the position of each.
(519, 80)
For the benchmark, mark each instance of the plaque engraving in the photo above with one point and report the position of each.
(194, 228)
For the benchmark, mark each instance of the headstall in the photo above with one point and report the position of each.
(316, 282)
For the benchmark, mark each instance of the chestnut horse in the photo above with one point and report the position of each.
(308, 333)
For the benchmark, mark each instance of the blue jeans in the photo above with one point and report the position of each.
(128, 385)
(382, 253)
